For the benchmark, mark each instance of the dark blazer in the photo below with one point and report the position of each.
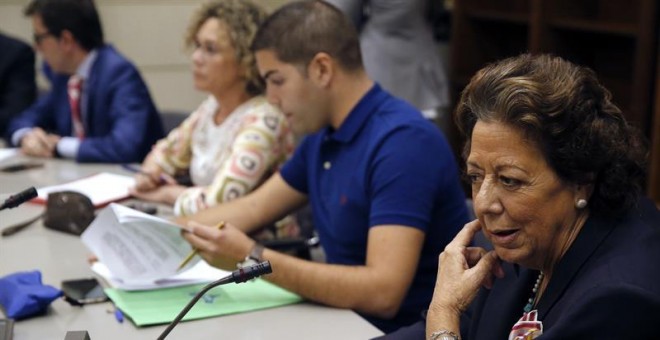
(121, 121)
(18, 88)
(607, 286)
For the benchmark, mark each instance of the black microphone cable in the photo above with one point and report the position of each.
(237, 276)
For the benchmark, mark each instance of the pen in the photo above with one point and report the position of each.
(138, 170)
(119, 315)
(192, 254)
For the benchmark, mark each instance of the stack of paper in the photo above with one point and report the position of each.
(139, 255)
(138, 249)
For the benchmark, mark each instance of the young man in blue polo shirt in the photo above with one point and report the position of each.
(381, 180)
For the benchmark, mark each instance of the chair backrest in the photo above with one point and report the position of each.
(172, 119)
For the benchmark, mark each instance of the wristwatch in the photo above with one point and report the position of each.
(444, 334)
(254, 257)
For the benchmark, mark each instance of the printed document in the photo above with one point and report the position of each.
(141, 251)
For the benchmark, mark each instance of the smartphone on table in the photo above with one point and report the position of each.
(83, 291)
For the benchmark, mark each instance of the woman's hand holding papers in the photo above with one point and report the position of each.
(220, 248)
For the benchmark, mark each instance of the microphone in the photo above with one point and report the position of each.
(15, 200)
(237, 276)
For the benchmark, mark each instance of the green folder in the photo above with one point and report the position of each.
(160, 306)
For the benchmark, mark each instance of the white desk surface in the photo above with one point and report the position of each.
(62, 256)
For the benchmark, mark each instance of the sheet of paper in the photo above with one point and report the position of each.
(163, 305)
(101, 188)
(7, 153)
(140, 250)
(200, 273)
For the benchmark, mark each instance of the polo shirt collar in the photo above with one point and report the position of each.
(358, 116)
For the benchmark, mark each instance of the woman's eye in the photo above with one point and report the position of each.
(474, 178)
(210, 49)
(510, 182)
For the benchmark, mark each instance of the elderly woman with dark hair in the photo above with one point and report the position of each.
(556, 176)
(235, 139)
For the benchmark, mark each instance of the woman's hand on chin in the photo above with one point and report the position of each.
(462, 270)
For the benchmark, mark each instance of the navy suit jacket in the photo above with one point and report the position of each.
(18, 88)
(121, 122)
(607, 286)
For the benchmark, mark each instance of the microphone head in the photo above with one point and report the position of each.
(251, 272)
(15, 200)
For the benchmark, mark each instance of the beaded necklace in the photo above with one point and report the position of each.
(530, 302)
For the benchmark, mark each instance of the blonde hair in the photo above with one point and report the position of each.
(242, 18)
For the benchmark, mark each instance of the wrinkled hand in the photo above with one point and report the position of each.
(38, 143)
(221, 248)
(163, 194)
(462, 270)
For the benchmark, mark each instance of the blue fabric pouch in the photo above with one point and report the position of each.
(22, 294)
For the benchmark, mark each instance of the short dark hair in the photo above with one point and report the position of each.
(569, 115)
(299, 30)
(76, 16)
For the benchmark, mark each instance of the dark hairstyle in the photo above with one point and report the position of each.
(568, 114)
(242, 18)
(298, 31)
(76, 16)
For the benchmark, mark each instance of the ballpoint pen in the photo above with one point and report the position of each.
(138, 170)
(192, 254)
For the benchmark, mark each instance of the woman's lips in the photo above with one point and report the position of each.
(503, 237)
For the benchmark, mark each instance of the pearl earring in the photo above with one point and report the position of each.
(581, 203)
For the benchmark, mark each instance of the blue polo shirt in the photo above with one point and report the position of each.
(385, 165)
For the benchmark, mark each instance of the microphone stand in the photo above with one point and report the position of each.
(237, 276)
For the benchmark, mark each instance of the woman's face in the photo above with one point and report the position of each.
(525, 210)
(215, 66)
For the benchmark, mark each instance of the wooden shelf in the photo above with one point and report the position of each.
(618, 39)
(499, 16)
(623, 29)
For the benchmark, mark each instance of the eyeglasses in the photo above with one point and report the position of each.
(207, 50)
(39, 37)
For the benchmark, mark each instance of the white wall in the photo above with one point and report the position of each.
(149, 32)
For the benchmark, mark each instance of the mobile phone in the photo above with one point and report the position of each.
(20, 167)
(83, 291)
(6, 329)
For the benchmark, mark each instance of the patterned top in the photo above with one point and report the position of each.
(225, 161)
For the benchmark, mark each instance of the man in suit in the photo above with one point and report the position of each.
(17, 86)
(99, 108)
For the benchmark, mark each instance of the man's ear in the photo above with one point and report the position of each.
(66, 39)
(321, 69)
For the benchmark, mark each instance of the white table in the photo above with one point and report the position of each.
(62, 256)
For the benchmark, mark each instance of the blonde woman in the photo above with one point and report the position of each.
(235, 139)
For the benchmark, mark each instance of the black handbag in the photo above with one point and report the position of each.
(68, 211)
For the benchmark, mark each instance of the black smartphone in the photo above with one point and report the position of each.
(6, 329)
(20, 167)
(83, 291)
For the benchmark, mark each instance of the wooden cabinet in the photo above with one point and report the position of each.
(618, 39)
(654, 169)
